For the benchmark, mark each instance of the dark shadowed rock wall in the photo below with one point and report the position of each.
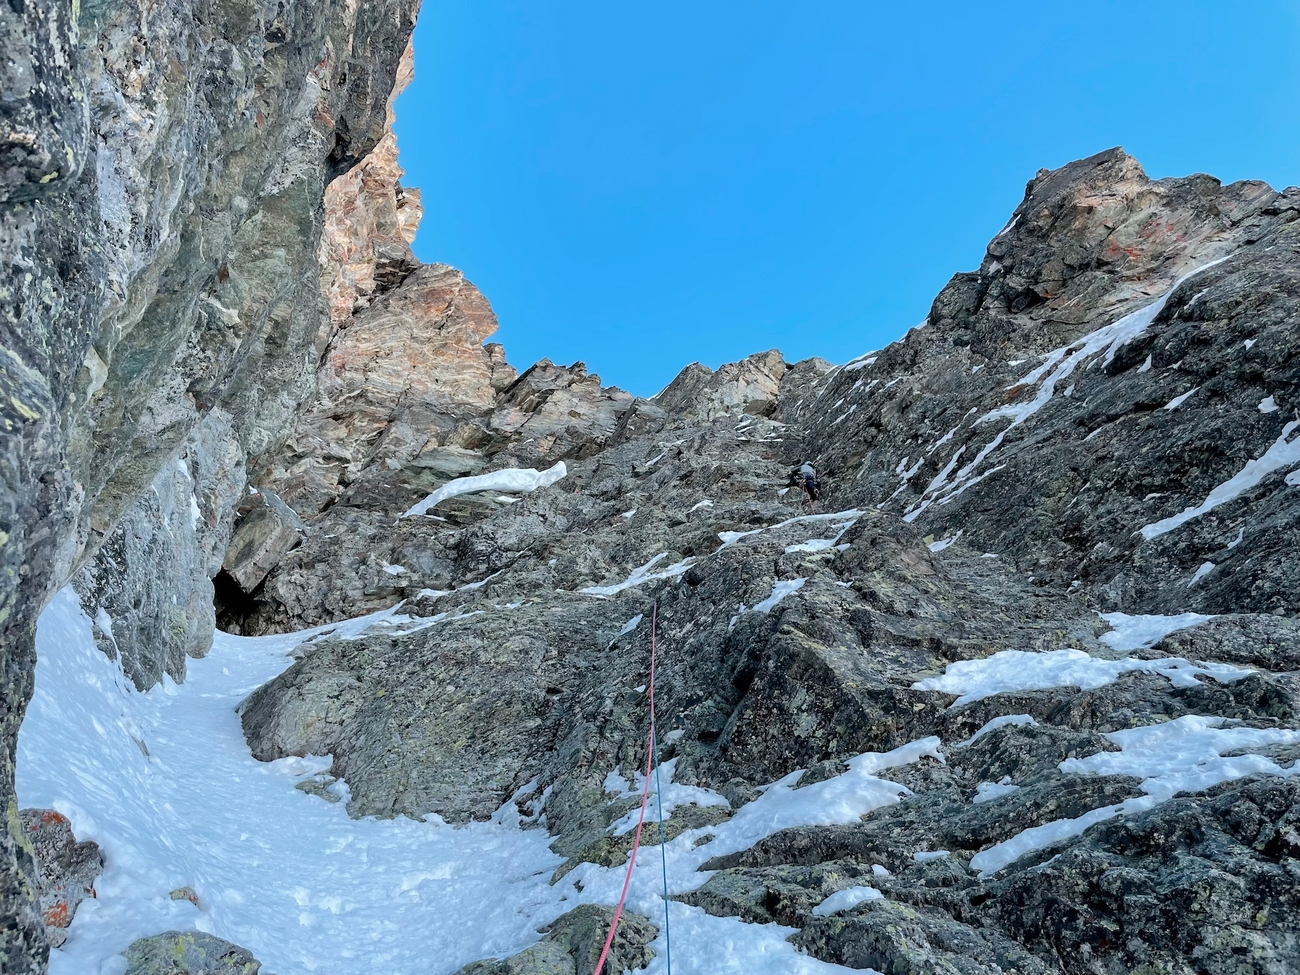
(162, 167)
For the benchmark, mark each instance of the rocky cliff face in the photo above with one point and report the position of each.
(210, 287)
(1102, 419)
(162, 167)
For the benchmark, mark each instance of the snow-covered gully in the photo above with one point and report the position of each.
(165, 783)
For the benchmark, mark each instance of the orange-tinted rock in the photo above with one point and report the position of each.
(65, 869)
(370, 223)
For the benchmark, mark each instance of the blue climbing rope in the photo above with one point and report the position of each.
(659, 798)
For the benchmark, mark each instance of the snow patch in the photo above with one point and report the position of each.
(945, 543)
(1283, 453)
(846, 900)
(1268, 405)
(306, 888)
(1022, 670)
(730, 538)
(1139, 632)
(1020, 720)
(988, 791)
(859, 363)
(673, 795)
(1058, 365)
(1183, 755)
(511, 480)
(640, 575)
(782, 589)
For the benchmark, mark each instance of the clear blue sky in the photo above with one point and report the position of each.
(643, 185)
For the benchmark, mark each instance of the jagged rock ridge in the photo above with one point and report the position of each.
(1007, 471)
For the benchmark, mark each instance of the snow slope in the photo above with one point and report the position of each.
(165, 783)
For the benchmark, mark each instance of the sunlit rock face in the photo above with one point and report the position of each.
(227, 378)
(161, 178)
(1102, 410)
(1108, 399)
(370, 222)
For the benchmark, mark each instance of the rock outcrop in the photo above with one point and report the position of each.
(189, 953)
(1102, 419)
(1110, 399)
(571, 945)
(162, 167)
(209, 285)
(65, 869)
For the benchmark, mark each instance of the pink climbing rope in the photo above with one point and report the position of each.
(645, 797)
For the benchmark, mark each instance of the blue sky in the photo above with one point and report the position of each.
(639, 186)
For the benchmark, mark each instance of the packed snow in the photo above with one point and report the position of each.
(939, 546)
(1020, 720)
(1058, 366)
(1024, 670)
(1203, 570)
(1283, 453)
(1183, 755)
(988, 791)
(511, 480)
(780, 590)
(846, 900)
(1139, 632)
(664, 793)
(861, 362)
(845, 518)
(1268, 405)
(825, 544)
(1179, 400)
(164, 782)
(641, 575)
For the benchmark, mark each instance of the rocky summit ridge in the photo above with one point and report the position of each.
(1056, 539)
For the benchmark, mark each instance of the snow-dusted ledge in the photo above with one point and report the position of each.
(510, 481)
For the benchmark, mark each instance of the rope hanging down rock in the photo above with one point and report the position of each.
(651, 761)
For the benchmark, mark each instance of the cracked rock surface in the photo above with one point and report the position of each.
(996, 480)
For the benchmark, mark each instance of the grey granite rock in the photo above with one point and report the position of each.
(189, 953)
(572, 943)
(1000, 465)
(65, 869)
(161, 175)
(152, 578)
(267, 530)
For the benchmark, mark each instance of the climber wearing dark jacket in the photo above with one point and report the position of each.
(805, 476)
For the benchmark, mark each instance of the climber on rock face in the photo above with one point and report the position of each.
(805, 476)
